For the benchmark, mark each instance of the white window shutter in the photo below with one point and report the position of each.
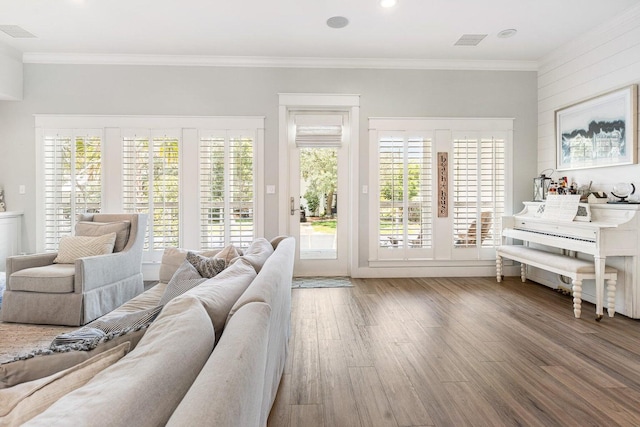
(227, 180)
(405, 220)
(150, 182)
(72, 181)
(479, 190)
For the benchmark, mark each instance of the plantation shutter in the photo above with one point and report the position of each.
(150, 182)
(479, 190)
(492, 187)
(240, 195)
(391, 176)
(227, 179)
(318, 130)
(405, 220)
(212, 191)
(135, 177)
(72, 180)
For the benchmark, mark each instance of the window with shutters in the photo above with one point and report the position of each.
(227, 202)
(150, 184)
(198, 185)
(412, 225)
(72, 180)
(405, 187)
(478, 189)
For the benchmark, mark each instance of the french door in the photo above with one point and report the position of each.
(318, 205)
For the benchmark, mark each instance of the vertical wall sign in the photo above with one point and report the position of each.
(443, 184)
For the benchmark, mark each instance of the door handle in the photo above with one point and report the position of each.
(293, 206)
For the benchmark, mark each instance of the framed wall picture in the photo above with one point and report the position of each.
(598, 132)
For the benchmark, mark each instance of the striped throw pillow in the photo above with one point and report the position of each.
(185, 278)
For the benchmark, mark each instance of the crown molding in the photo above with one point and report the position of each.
(277, 62)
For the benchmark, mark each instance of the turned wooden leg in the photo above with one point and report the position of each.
(498, 268)
(577, 298)
(611, 297)
(600, 268)
(523, 272)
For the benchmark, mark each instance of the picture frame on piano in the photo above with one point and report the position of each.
(599, 131)
(583, 213)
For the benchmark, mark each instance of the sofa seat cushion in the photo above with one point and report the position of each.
(43, 364)
(51, 279)
(21, 403)
(145, 386)
(47, 362)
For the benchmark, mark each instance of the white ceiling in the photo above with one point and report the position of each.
(414, 30)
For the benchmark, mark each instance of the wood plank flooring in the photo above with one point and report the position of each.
(455, 352)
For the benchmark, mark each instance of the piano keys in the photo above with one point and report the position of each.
(612, 237)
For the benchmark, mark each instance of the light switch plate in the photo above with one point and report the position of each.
(271, 189)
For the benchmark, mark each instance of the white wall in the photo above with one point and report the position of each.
(10, 74)
(211, 91)
(607, 58)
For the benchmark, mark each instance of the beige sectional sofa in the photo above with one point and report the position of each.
(213, 356)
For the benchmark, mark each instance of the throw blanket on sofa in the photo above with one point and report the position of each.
(98, 331)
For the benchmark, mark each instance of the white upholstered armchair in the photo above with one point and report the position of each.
(76, 291)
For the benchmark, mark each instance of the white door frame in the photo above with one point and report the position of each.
(336, 102)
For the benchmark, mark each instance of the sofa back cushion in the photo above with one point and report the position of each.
(145, 386)
(273, 287)
(219, 293)
(228, 391)
(257, 253)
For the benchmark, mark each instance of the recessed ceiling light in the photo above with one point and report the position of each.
(337, 22)
(388, 3)
(505, 34)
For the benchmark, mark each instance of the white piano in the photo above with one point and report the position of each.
(612, 237)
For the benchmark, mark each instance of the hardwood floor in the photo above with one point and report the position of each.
(455, 352)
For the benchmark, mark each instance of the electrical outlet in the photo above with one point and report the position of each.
(22, 189)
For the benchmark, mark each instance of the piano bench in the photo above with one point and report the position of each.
(574, 268)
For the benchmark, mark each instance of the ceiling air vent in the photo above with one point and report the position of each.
(16, 32)
(470, 39)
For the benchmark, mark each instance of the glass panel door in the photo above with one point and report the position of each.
(318, 207)
(318, 203)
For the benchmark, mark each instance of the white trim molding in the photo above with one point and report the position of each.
(277, 62)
